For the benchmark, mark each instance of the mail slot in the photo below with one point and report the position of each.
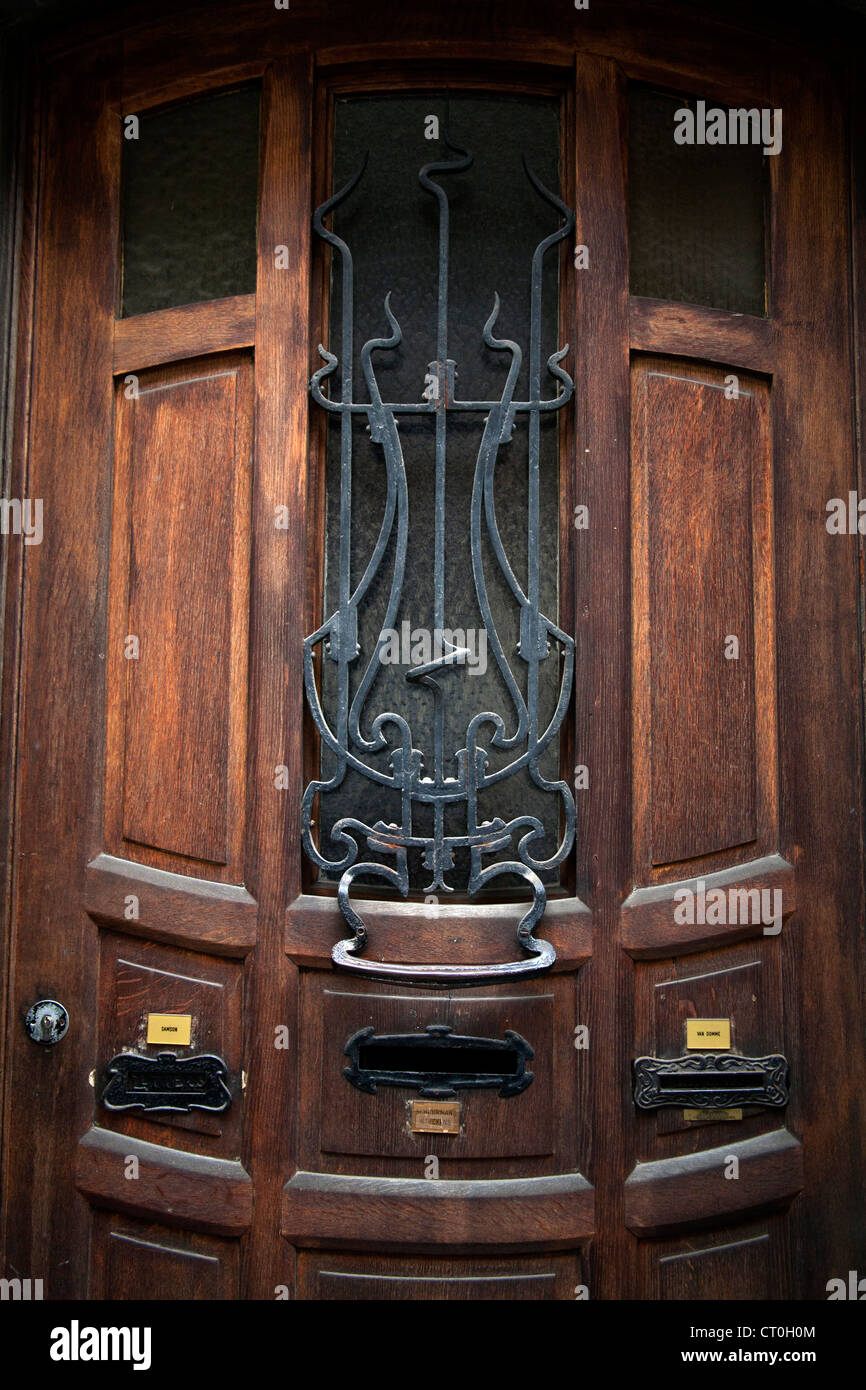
(166, 1083)
(710, 1081)
(438, 1062)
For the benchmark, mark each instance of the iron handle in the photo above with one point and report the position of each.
(348, 953)
(345, 954)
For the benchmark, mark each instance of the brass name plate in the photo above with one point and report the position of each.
(169, 1028)
(435, 1116)
(697, 1116)
(709, 1034)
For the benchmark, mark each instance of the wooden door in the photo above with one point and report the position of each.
(162, 741)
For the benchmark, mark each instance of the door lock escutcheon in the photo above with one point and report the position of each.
(47, 1022)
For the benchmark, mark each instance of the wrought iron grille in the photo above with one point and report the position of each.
(418, 780)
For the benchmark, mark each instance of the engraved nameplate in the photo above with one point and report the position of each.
(169, 1028)
(697, 1117)
(435, 1116)
(709, 1033)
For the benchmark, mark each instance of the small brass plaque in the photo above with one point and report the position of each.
(698, 1116)
(435, 1116)
(709, 1034)
(169, 1028)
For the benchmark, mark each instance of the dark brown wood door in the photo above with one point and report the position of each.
(706, 912)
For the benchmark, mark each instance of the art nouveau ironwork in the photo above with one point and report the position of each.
(710, 1081)
(348, 730)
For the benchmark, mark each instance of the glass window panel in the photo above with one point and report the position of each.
(189, 203)
(391, 226)
(696, 212)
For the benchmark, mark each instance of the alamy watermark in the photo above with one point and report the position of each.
(22, 517)
(737, 126)
(846, 516)
(734, 907)
(853, 1288)
(77, 1343)
(422, 646)
(21, 1290)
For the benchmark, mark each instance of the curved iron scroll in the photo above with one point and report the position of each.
(341, 731)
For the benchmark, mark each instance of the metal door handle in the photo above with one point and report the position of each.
(348, 953)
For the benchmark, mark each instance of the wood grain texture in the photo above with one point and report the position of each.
(132, 1260)
(61, 739)
(712, 335)
(741, 1267)
(180, 585)
(602, 718)
(521, 1136)
(808, 801)
(742, 984)
(702, 536)
(138, 978)
(856, 106)
(337, 1275)
(464, 933)
(692, 1191)
(697, 450)
(174, 1187)
(273, 847)
(491, 1126)
(219, 918)
(649, 928)
(389, 1213)
(712, 53)
(20, 185)
(821, 763)
(749, 1259)
(176, 335)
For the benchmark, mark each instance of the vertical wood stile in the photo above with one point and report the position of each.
(276, 637)
(603, 727)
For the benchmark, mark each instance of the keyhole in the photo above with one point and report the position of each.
(46, 1022)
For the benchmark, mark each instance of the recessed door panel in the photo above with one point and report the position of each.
(489, 1125)
(340, 1277)
(180, 582)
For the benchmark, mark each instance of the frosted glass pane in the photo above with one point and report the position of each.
(189, 203)
(696, 212)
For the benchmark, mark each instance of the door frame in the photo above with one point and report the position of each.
(823, 954)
